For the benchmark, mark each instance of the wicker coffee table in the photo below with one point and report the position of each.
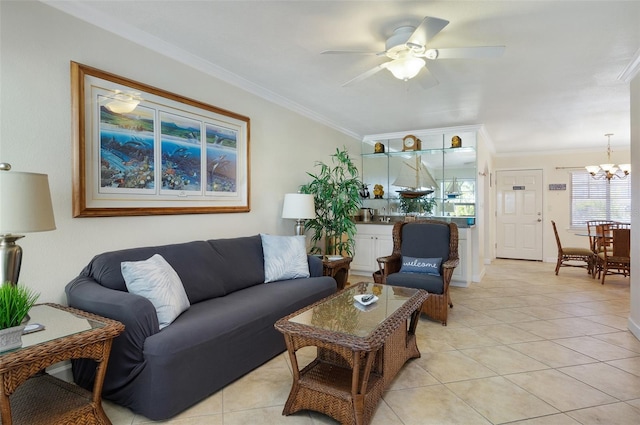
(359, 350)
(29, 396)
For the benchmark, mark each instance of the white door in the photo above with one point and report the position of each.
(519, 214)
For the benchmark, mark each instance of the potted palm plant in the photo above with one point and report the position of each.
(15, 303)
(335, 189)
(418, 205)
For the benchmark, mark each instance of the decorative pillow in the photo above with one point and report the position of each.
(285, 257)
(421, 265)
(157, 281)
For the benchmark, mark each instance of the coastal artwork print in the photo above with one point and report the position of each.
(221, 158)
(181, 149)
(139, 150)
(127, 149)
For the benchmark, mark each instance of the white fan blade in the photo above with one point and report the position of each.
(471, 52)
(426, 79)
(347, 52)
(365, 75)
(427, 29)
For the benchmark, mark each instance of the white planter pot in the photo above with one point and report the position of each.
(11, 338)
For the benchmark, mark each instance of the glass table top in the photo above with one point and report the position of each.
(344, 314)
(57, 324)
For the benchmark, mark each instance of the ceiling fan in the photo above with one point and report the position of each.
(407, 50)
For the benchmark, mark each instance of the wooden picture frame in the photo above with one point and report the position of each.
(140, 150)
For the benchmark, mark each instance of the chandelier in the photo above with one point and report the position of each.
(609, 170)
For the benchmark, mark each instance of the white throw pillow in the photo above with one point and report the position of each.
(157, 281)
(285, 257)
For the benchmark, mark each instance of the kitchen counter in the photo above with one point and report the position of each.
(462, 222)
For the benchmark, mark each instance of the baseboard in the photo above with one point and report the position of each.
(634, 328)
(479, 276)
(61, 371)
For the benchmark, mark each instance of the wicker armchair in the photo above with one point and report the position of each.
(573, 257)
(424, 239)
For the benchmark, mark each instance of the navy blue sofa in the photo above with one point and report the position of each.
(226, 332)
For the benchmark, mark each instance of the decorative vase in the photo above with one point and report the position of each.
(11, 338)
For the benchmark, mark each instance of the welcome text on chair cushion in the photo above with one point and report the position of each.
(421, 265)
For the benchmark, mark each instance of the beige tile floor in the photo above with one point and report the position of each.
(522, 347)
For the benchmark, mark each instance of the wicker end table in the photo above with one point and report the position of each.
(30, 396)
(360, 349)
(337, 269)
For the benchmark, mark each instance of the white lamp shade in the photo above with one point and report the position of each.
(608, 167)
(298, 206)
(25, 203)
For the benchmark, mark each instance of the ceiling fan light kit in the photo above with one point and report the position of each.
(405, 68)
(407, 50)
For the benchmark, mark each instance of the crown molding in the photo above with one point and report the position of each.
(632, 69)
(80, 10)
(428, 132)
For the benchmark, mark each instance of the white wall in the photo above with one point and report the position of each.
(37, 43)
(634, 315)
(557, 203)
(484, 208)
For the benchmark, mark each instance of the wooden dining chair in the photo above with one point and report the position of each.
(604, 240)
(568, 257)
(614, 251)
(593, 231)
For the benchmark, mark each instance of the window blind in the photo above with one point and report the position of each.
(604, 199)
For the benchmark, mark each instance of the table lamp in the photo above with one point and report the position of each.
(25, 206)
(300, 207)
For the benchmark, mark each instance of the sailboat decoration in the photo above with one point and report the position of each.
(453, 190)
(417, 180)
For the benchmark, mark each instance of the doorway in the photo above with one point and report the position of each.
(519, 221)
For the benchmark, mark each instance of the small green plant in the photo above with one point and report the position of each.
(15, 303)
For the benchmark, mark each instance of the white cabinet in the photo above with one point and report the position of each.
(372, 241)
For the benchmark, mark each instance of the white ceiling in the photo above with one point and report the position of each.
(562, 83)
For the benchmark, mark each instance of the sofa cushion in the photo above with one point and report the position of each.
(242, 314)
(243, 262)
(285, 257)
(430, 283)
(195, 262)
(158, 282)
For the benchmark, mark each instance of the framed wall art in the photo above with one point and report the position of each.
(139, 150)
